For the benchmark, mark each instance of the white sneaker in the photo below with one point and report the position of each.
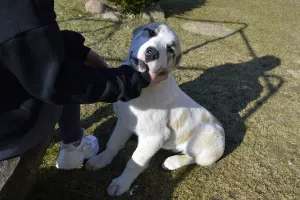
(71, 156)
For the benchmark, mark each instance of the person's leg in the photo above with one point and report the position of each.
(75, 146)
(69, 124)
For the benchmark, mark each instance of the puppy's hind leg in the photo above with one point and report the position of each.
(208, 146)
(177, 161)
(116, 142)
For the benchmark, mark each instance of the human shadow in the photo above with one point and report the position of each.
(179, 7)
(104, 130)
(153, 183)
(232, 92)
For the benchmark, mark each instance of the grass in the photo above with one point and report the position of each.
(249, 80)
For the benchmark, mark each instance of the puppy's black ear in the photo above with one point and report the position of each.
(137, 29)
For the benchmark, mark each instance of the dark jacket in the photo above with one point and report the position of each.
(40, 64)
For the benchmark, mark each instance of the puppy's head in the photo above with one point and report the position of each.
(154, 47)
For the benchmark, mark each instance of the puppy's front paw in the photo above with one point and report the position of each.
(118, 187)
(98, 162)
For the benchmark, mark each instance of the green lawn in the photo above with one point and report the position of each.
(249, 80)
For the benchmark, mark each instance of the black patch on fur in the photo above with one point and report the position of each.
(178, 59)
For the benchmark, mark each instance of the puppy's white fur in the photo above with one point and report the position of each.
(162, 117)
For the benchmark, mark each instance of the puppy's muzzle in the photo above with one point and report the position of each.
(151, 54)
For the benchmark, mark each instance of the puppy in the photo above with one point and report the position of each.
(162, 117)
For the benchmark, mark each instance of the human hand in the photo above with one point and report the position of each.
(95, 60)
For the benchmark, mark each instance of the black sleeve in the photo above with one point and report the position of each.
(37, 60)
(74, 45)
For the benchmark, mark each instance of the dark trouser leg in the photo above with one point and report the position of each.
(69, 123)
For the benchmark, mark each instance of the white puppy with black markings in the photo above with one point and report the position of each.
(162, 117)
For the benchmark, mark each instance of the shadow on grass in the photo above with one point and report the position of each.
(225, 90)
(153, 183)
(230, 89)
(232, 92)
(239, 31)
(113, 25)
(179, 7)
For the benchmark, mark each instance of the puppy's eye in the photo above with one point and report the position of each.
(151, 33)
(169, 49)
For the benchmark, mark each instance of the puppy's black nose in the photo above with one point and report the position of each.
(151, 54)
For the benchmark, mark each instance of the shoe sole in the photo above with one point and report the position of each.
(72, 165)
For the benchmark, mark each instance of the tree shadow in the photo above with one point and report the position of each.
(232, 92)
(179, 7)
(113, 25)
(239, 31)
(115, 28)
(87, 17)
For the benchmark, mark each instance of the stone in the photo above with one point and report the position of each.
(294, 73)
(6, 169)
(17, 174)
(207, 29)
(95, 6)
(297, 61)
(110, 15)
(153, 13)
